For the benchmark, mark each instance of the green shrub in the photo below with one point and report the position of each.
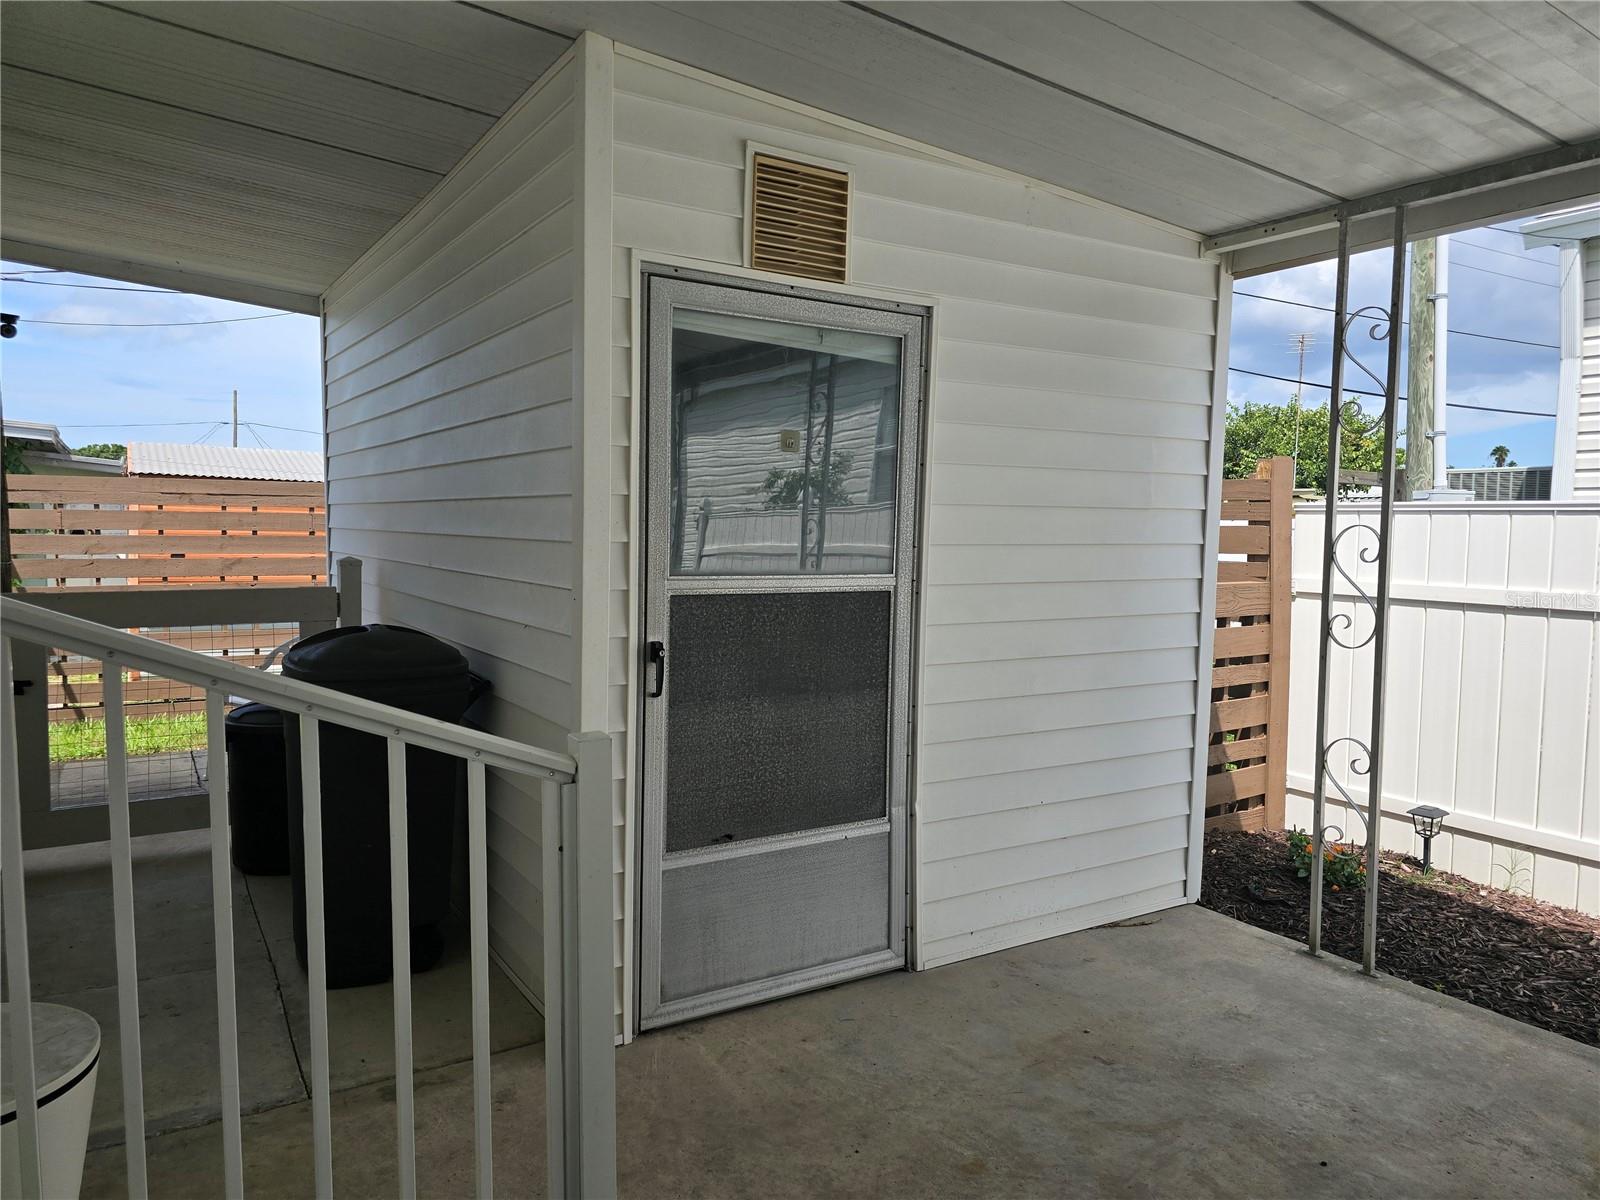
(1344, 867)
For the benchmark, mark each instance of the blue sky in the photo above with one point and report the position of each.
(1496, 288)
(171, 380)
(167, 382)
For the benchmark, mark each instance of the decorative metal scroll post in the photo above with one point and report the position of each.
(1340, 629)
(818, 476)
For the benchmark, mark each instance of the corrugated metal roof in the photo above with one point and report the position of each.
(223, 462)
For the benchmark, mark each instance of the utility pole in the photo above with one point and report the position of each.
(236, 418)
(1298, 344)
(1441, 347)
(1419, 370)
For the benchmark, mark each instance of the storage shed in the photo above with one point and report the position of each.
(884, 563)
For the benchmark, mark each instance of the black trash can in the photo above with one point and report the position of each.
(409, 670)
(258, 790)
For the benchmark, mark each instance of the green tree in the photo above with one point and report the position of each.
(784, 488)
(1256, 431)
(13, 457)
(1501, 455)
(103, 450)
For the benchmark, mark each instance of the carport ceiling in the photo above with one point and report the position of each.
(257, 149)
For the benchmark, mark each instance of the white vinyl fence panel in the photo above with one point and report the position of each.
(1493, 688)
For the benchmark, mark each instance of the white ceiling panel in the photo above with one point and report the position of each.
(1105, 56)
(127, 54)
(453, 53)
(245, 150)
(1531, 60)
(861, 64)
(1207, 115)
(262, 147)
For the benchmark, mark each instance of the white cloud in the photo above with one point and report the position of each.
(1531, 392)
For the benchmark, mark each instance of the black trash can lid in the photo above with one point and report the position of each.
(254, 716)
(373, 654)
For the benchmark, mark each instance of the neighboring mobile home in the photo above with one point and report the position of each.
(1576, 475)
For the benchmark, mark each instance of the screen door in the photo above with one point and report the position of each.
(780, 464)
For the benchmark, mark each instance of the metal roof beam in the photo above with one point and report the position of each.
(1559, 160)
(1468, 210)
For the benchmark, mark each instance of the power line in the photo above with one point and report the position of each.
(178, 424)
(1458, 240)
(93, 287)
(133, 424)
(1502, 274)
(1493, 337)
(154, 324)
(285, 428)
(171, 424)
(1521, 412)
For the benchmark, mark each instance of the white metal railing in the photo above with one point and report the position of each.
(576, 815)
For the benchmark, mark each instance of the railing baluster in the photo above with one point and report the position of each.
(127, 948)
(222, 936)
(589, 1040)
(400, 934)
(478, 882)
(316, 953)
(18, 979)
(552, 900)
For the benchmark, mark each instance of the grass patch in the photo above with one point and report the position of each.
(74, 741)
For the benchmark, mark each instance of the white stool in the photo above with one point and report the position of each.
(66, 1061)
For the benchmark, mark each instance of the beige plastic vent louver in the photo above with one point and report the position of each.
(799, 219)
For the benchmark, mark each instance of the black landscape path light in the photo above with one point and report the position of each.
(1427, 820)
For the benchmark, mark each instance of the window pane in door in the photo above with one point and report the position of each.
(784, 442)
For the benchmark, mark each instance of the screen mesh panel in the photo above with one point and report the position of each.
(778, 714)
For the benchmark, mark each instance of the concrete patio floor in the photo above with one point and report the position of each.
(1184, 1055)
(72, 952)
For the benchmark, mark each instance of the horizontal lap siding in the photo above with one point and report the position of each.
(1065, 494)
(448, 360)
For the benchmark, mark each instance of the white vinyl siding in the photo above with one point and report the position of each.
(448, 357)
(1586, 473)
(1070, 412)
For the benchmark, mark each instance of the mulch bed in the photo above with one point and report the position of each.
(1532, 961)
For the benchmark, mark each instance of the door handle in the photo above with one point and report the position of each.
(656, 655)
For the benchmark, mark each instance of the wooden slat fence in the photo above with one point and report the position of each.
(1250, 675)
(76, 687)
(143, 531)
